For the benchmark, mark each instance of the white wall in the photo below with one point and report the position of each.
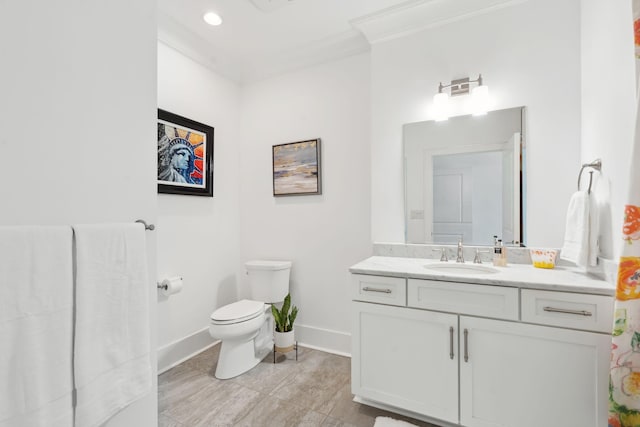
(323, 234)
(77, 109)
(528, 55)
(198, 237)
(608, 109)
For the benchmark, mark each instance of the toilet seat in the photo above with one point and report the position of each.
(237, 312)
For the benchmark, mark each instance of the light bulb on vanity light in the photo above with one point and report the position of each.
(480, 99)
(441, 106)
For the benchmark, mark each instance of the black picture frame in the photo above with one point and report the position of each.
(296, 168)
(185, 156)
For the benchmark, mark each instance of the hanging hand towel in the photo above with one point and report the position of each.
(111, 343)
(581, 230)
(36, 324)
(594, 231)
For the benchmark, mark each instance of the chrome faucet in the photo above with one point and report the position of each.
(460, 257)
(443, 254)
(478, 258)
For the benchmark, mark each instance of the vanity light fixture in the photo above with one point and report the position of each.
(212, 18)
(479, 96)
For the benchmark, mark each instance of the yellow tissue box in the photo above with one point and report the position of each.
(543, 258)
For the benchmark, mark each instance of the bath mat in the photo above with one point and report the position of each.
(390, 422)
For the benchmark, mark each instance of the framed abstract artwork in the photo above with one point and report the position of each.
(296, 168)
(185, 156)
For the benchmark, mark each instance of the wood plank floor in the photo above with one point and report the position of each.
(314, 391)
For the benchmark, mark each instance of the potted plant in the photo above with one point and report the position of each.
(283, 336)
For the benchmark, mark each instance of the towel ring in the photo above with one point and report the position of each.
(597, 165)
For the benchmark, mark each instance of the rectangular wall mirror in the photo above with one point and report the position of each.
(465, 178)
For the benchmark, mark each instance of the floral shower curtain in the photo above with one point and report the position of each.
(624, 379)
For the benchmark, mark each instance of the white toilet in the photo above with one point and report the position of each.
(246, 327)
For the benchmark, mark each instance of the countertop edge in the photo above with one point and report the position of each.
(605, 290)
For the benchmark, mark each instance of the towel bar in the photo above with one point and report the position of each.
(597, 165)
(150, 227)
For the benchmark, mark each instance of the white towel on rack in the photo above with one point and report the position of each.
(112, 348)
(36, 325)
(581, 230)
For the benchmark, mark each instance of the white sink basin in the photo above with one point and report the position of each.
(461, 268)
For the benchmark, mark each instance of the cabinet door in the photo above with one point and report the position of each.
(406, 358)
(532, 376)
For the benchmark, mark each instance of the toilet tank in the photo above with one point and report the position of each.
(268, 280)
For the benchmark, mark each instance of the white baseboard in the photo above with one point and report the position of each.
(185, 348)
(327, 340)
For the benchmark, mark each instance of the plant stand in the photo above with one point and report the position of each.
(295, 347)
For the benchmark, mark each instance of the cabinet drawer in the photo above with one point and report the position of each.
(568, 310)
(499, 302)
(384, 290)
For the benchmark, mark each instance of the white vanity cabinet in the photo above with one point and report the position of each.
(480, 355)
(520, 375)
(406, 358)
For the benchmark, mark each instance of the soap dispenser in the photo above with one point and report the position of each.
(499, 253)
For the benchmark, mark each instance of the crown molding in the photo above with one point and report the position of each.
(215, 58)
(185, 41)
(417, 15)
(328, 49)
(270, 5)
(401, 20)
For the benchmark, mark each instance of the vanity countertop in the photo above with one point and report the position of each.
(567, 279)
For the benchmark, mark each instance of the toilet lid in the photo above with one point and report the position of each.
(238, 311)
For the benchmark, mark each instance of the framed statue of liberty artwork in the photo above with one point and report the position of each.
(185, 156)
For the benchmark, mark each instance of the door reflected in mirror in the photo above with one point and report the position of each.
(464, 179)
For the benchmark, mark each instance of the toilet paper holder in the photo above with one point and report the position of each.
(164, 286)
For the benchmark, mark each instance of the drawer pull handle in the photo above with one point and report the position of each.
(466, 345)
(562, 310)
(384, 291)
(451, 342)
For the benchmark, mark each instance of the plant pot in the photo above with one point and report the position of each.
(284, 341)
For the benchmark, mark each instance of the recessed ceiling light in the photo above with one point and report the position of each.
(212, 18)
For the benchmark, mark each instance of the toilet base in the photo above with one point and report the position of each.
(244, 345)
(236, 358)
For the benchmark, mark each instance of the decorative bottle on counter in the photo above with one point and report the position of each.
(499, 253)
(503, 255)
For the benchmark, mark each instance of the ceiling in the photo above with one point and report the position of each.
(261, 38)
